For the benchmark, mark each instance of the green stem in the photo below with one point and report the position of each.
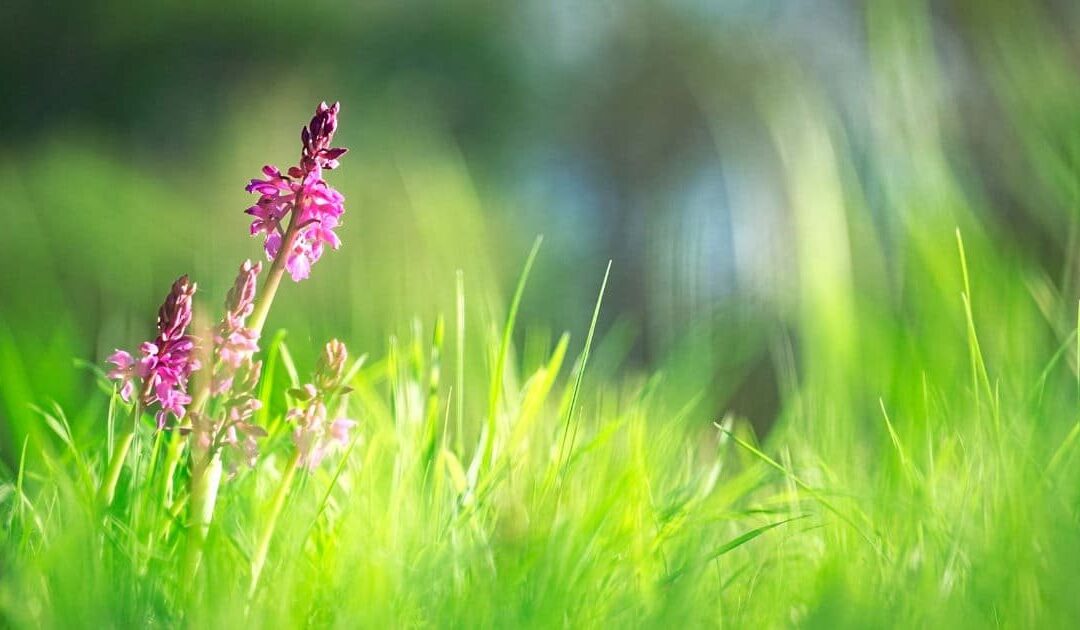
(119, 456)
(172, 462)
(259, 559)
(207, 478)
(273, 277)
(172, 513)
(108, 488)
(204, 488)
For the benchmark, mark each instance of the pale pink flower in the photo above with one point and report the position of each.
(234, 343)
(339, 430)
(315, 436)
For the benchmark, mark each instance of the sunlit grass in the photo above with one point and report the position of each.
(922, 471)
(580, 502)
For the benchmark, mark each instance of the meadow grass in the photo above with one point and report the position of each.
(922, 471)
(932, 486)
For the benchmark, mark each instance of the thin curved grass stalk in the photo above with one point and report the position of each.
(497, 383)
(258, 560)
(116, 464)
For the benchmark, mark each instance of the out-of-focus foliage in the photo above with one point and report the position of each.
(781, 187)
(658, 136)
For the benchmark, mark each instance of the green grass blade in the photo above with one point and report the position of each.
(504, 350)
(564, 454)
(742, 539)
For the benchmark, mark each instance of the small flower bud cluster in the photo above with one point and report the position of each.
(316, 137)
(330, 370)
(234, 343)
(232, 428)
(315, 435)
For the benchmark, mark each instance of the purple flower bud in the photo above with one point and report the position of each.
(175, 313)
(316, 138)
(124, 372)
(241, 299)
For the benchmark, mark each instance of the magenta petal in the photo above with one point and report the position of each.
(299, 267)
(326, 235)
(273, 245)
(122, 360)
(127, 390)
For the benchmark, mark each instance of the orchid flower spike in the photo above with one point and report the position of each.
(297, 210)
(163, 366)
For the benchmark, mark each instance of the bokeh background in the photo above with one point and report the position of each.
(764, 176)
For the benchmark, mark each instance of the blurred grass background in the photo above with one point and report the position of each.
(749, 167)
(779, 185)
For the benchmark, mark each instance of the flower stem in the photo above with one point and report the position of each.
(273, 277)
(259, 559)
(119, 456)
(204, 488)
(108, 488)
(172, 461)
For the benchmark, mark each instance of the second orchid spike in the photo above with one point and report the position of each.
(330, 370)
(175, 313)
(241, 298)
